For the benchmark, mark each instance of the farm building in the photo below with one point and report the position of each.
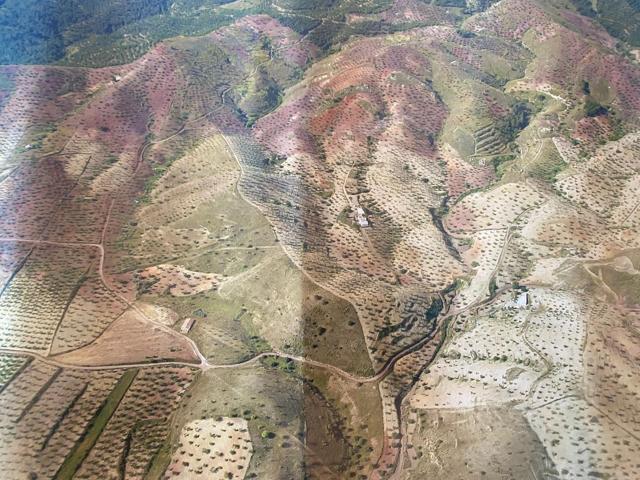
(187, 325)
(361, 218)
(523, 300)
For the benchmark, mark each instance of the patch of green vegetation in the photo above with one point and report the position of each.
(158, 171)
(264, 97)
(434, 309)
(621, 18)
(134, 40)
(548, 171)
(585, 7)
(619, 130)
(36, 136)
(160, 461)
(267, 434)
(283, 364)
(6, 88)
(305, 4)
(547, 164)
(80, 451)
(450, 3)
(6, 83)
(256, 343)
(516, 121)
(594, 109)
(111, 159)
(499, 163)
(150, 184)
(493, 287)
(325, 24)
(93, 33)
(345, 217)
(302, 24)
(467, 6)
(38, 31)
(273, 160)
(343, 7)
(330, 35)
(429, 317)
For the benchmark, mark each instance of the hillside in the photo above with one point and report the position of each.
(384, 239)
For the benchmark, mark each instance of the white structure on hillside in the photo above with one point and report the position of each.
(187, 325)
(361, 218)
(520, 301)
(523, 300)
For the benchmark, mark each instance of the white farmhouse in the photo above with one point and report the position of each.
(361, 218)
(187, 325)
(523, 300)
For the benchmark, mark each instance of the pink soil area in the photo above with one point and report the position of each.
(570, 57)
(104, 118)
(291, 129)
(460, 220)
(420, 114)
(162, 86)
(117, 117)
(129, 340)
(28, 198)
(283, 131)
(115, 120)
(387, 458)
(46, 93)
(227, 122)
(462, 177)
(590, 130)
(624, 79)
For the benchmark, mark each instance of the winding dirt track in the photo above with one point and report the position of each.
(205, 365)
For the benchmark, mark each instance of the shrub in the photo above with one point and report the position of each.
(594, 109)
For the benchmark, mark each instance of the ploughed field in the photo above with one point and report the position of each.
(390, 239)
